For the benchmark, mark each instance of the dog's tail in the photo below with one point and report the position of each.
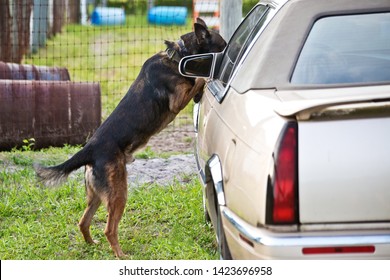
(55, 175)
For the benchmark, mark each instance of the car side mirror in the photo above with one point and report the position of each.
(200, 65)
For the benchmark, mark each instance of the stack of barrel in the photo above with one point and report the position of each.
(41, 102)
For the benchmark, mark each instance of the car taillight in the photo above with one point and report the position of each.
(282, 196)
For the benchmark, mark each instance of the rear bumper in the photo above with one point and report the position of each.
(248, 242)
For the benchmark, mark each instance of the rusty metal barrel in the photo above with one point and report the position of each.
(53, 113)
(13, 71)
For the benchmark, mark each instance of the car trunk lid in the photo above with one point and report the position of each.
(343, 154)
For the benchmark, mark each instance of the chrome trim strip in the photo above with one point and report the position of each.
(216, 174)
(195, 116)
(260, 236)
(202, 175)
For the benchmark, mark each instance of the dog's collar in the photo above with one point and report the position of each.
(173, 55)
(177, 55)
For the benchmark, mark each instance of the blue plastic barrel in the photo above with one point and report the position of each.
(167, 15)
(108, 16)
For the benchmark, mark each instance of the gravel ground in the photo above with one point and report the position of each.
(161, 171)
(164, 171)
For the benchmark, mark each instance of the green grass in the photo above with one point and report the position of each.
(160, 222)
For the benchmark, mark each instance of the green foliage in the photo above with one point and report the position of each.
(28, 144)
(146, 153)
(247, 5)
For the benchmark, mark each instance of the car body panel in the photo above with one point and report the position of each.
(301, 103)
(343, 155)
(341, 147)
(344, 171)
(245, 132)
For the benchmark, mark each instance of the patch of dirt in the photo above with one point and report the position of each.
(180, 168)
(163, 171)
(173, 139)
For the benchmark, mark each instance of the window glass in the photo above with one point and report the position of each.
(346, 49)
(241, 40)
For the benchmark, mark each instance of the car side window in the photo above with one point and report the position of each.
(345, 50)
(240, 41)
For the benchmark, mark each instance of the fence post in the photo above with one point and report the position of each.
(150, 4)
(58, 15)
(83, 12)
(231, 16)
(40, 22)
(14, 29)
(73, 11)
(5, 31)
(50, 19)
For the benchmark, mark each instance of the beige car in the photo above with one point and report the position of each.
(293, 132)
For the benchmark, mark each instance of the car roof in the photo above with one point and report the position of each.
(272, 58)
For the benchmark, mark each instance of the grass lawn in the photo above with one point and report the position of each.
(160, 222)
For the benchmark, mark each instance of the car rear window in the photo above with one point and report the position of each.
(346, 49)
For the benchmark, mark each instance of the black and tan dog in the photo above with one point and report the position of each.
(153, 100)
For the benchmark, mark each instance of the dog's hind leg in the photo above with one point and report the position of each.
(116, 200)
(93, 203)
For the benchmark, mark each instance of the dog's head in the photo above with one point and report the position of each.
(201, 40)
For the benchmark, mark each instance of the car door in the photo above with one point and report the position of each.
(214, 136)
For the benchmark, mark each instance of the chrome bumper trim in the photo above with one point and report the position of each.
(265, 238)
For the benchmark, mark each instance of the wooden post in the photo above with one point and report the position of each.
(231, 16)
(59, 16)
(14, 29)
(73, 11)
(5, 31)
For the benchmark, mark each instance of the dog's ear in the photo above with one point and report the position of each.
(201, 33)
(169, 44)
(201, 21)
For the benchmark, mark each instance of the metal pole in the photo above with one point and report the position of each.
(39, 30)
(231, 16)
(150, 4)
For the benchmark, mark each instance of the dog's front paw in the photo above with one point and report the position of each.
(198, 97)
(199, 87)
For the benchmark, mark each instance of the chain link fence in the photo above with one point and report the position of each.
(96, 41)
